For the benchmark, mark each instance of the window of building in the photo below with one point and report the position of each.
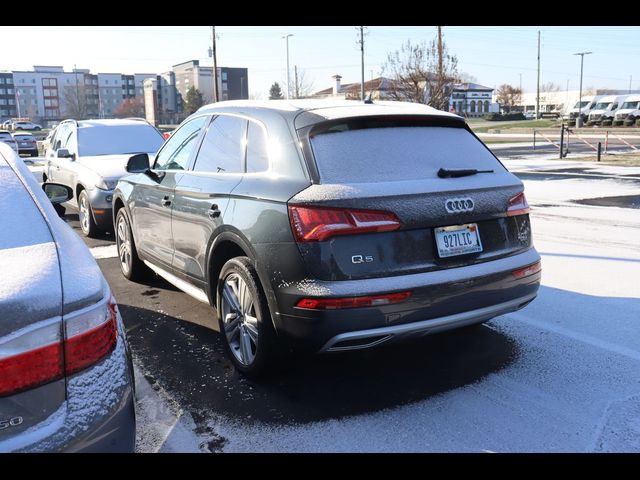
(257, 157)
(106, 82)
(12, 101)
(33, 80)
(177, 150)
(222, 149)
(4, 112)
(3, 91)
(486, 105)
(224, 76)
(3, 101)
(33, 91)
(10, 91)
(2, 80)
(473, 106)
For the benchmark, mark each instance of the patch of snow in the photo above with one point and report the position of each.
(107, 251)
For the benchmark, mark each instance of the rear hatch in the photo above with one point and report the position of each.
(398, 195)
(32, 385)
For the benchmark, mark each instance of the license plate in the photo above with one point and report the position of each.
(458, 240)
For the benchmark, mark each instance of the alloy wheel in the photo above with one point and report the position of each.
(239, 319)
(123, 243)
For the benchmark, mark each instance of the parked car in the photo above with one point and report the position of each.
(27, 143)
(584, 106)
(340, 225)
(530, 115)
(66, 381)
(90, 156)
(22, 125)
(7, 138)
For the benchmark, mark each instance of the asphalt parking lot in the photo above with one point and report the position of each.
(560, 375)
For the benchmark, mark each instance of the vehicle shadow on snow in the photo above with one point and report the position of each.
(188, 361)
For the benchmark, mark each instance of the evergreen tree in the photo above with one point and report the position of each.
(193, 101)
(275, 92)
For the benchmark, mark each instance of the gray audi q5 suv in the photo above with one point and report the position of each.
(336, 225)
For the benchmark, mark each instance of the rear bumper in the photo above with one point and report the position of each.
(440, 300)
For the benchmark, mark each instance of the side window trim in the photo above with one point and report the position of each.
(191, 155)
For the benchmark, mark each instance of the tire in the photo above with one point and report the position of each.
(130, 264)
(252, 345)
(85, 214)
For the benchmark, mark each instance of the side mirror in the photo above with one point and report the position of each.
(138, 163)
(64, 153)
(57, 193)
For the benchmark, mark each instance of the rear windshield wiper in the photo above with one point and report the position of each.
(462, 172)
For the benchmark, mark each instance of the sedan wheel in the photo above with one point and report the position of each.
(239, 319)
(87, 224)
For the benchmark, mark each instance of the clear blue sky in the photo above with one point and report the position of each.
(494, 55)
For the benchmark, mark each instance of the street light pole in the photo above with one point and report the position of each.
(579, 117)
(286, 38)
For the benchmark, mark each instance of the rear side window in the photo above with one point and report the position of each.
(257, 157)
(222, 150)
(396, 153)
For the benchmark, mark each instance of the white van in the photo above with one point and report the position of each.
(629, 112)
(585, 106)
(605, 109)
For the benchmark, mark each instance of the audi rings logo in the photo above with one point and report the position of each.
(459, 205)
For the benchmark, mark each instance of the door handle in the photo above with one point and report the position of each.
(213, 211)
(166, 201)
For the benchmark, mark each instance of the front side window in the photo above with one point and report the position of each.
(222, 149)
(177, 151)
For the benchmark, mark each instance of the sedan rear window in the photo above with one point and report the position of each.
(396, 153)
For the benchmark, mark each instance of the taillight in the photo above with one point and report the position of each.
(91, 333)
(517, 205)
(30, 357)
(352, 302)
(315, 224)
(528, 270)
(38, 354)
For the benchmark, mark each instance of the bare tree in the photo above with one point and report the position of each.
(464, 77)
(75, 99)
(422, 73)
(549, 87)
(302, 86)
(130, 107)
(508, 96)
(255, 96)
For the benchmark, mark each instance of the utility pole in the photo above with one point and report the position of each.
(296, 89)
(286, 39)
(579, 117)
(215, 64)
(538, 85)
(630, 78)
(362, 62)
(520, 82)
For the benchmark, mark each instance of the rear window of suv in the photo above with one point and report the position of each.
(347, 153)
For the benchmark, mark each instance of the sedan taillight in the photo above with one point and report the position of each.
(39, 354)
(315, 224)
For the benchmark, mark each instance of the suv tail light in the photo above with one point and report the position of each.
(315, 224)
(517, 205)
(38, 354)
(352, 302)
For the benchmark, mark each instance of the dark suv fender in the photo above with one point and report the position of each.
(230, 241)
